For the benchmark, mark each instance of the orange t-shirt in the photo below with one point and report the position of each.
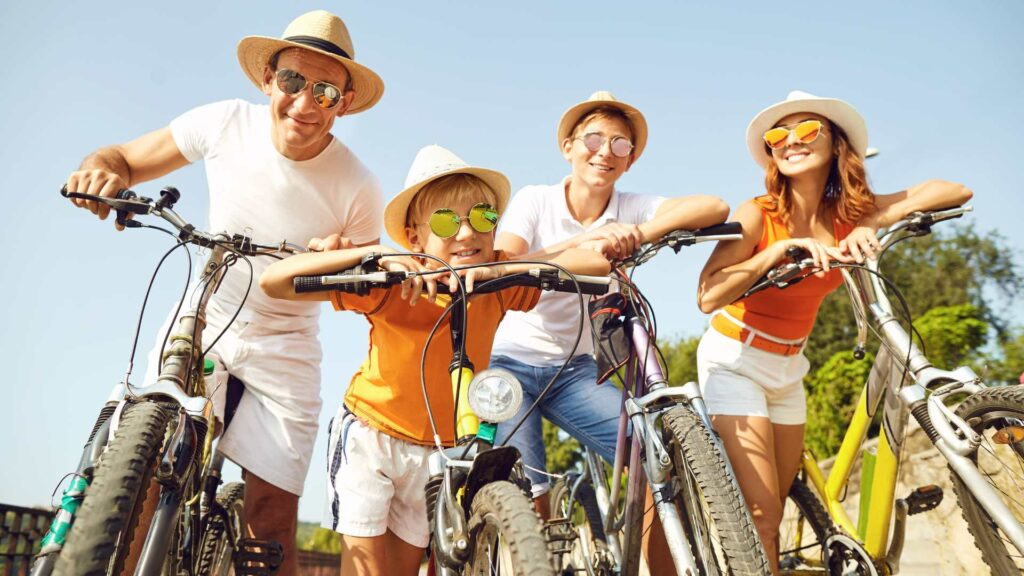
(790, 313)
(386, 391)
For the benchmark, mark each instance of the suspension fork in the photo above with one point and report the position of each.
(657, 462)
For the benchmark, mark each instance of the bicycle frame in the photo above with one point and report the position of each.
(921, 392)
(646, 395)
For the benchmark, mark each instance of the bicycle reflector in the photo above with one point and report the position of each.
(495, 395)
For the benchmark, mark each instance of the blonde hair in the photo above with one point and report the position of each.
(847, 194)
(447, 190)
(602, 112)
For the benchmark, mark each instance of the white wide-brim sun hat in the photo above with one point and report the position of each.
(321, 32)
(604, 99)
(433, 162)
(837, 111)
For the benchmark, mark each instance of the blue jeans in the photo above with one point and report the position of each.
(575, 403)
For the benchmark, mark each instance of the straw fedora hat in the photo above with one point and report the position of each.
(321, 32)
(604, 99)
(837, 111)
(433, 162)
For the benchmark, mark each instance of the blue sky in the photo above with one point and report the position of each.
(939, 84)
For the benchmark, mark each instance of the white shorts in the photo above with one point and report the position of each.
(274, 428)
(739, 380)
(375, 482)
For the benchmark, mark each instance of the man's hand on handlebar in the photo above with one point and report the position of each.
(615, 240)
(332, 242)
(97, 182)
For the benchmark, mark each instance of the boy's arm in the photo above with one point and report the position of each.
(687, 213)
(619, 240)
(575, 260)
(278, 279)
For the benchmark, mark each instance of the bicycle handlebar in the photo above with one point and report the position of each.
(676, 239)
(915, 224)
(128, 202)
(357, 281)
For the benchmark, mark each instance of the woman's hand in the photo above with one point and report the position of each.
(412, 287)
(818, 252)
(862, 242)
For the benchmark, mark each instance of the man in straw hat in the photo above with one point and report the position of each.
(277, 171)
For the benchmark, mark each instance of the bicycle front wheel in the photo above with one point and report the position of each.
(216, 553)
(506, 534)
(718, 527)
(105, 525)
(997, 414)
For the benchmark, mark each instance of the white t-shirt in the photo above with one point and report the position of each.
(256, 191)
(539, 214)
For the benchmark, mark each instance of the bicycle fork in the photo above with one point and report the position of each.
(658, 466)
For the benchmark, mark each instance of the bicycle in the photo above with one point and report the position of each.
(904, 381)
(160, 435)
(481, 516)
(673, 448)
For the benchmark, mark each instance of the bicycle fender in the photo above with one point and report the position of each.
(489, 466)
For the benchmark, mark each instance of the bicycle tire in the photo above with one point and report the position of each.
(506, 534)
(584, 513)
(987, 412)
(105, 524)
(698, 463)
(811, 511)
(216, 551)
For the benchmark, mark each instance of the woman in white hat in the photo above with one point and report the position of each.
(750, 361)
(601, 139)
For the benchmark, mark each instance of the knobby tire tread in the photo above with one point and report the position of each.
(740, 543)
(503, 506)
(986, 535)
(216, 552)
(113, 502)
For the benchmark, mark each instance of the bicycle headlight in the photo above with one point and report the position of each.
(495, 395)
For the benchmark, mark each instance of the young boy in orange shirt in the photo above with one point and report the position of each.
(381, 438)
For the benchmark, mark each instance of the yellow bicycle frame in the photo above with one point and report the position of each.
(466, 421)
(883, 484)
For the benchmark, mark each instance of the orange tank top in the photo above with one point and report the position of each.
(787, 314)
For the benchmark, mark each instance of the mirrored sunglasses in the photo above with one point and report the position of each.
(805, 132)
(445, 223)
(326, 95)
(620, 146)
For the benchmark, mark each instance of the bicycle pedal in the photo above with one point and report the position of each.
(559, 529)
(255, 557)
(923, 499)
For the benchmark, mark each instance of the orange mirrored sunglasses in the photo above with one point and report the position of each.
(805, 132)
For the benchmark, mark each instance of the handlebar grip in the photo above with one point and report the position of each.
(720, 229)
(796, 253)
(307, 284)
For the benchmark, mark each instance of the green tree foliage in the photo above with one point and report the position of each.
(832, 394)
(1008, 366)
(322, 540)
(563, 451)
(681, 357)
(953, 335)
(941, 269)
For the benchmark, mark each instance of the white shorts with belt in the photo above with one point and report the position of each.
(275, 426)
(739, 380)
